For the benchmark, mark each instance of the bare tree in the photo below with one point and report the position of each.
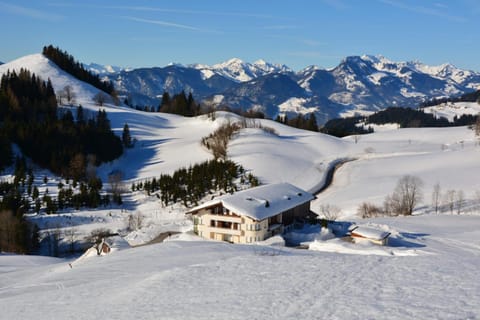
(477, 199)
(115, 180)
(71, 235)
(97, 235)
(9, 226)
(459, 201)
(100, 98)
(369, 210)
(407, 194)
(135, 221)
(68, 94)
(450, 200)
(330, 212)
(356, 138)
(436, 197)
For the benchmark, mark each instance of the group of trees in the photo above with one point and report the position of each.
(179, 104)
(405, 117)
(305, 122)
(473, 96)
(217, 141)
(406, 196)
(190, 185)
(15, 233)
(67, 63)
(342, 127)
(21, 195)
(29, 118)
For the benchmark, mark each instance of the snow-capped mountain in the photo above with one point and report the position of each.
(102, 70)
(240, 71)
(358, 84)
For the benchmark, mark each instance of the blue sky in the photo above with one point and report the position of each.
(297, 33)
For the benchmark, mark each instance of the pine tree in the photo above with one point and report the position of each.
(126, 137)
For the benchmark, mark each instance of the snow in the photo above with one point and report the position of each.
(418, 279)
(451, 109)
(369, 232)
(262, 202)
(379, 127)
(429, 270)
(376, 78)
(296, 105)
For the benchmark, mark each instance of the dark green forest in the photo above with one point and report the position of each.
(190, 185)
(405, 117)
(305, 122)
(55, 140)
(67, 63)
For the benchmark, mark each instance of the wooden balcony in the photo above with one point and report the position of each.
(232, 232)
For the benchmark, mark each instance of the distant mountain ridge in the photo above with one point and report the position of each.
(358, 84)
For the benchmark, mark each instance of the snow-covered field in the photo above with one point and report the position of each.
(211, 280)
(429, 270)
(450, 110)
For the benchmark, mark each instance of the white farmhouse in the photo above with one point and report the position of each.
(252, 215)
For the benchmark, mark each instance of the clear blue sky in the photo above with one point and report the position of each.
(297, 33)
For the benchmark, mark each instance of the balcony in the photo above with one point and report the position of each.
(224, 218)
(232, 232)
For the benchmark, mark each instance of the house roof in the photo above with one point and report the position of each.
(262, 202)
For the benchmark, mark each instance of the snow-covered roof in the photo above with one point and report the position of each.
(262, 202)
(369, 233)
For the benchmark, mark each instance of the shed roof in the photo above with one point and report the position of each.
(262, 202)
(369, 233)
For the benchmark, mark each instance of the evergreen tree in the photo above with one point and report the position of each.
(126, 137)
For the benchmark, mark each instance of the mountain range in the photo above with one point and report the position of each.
(358, 84)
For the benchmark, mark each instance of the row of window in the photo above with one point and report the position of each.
(253, 239)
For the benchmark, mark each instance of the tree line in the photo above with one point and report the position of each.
(405, 117)
(67, 63)
(305, 122)
(190, 185)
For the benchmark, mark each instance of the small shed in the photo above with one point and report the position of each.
(364, 233)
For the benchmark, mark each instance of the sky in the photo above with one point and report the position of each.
(297, 33)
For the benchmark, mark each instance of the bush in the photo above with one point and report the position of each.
(369, 210)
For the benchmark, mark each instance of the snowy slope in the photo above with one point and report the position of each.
(43, 67)
(451, 109)
(448, 156)
(209, 280)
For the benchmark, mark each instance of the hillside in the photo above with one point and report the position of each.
(164, 144)
(210, 280)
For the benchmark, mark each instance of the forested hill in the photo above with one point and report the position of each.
(29, 118)
(67, 63)
(404, 117)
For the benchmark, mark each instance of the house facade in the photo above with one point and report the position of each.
(251, 215)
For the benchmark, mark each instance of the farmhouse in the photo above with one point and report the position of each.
(252, 215)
